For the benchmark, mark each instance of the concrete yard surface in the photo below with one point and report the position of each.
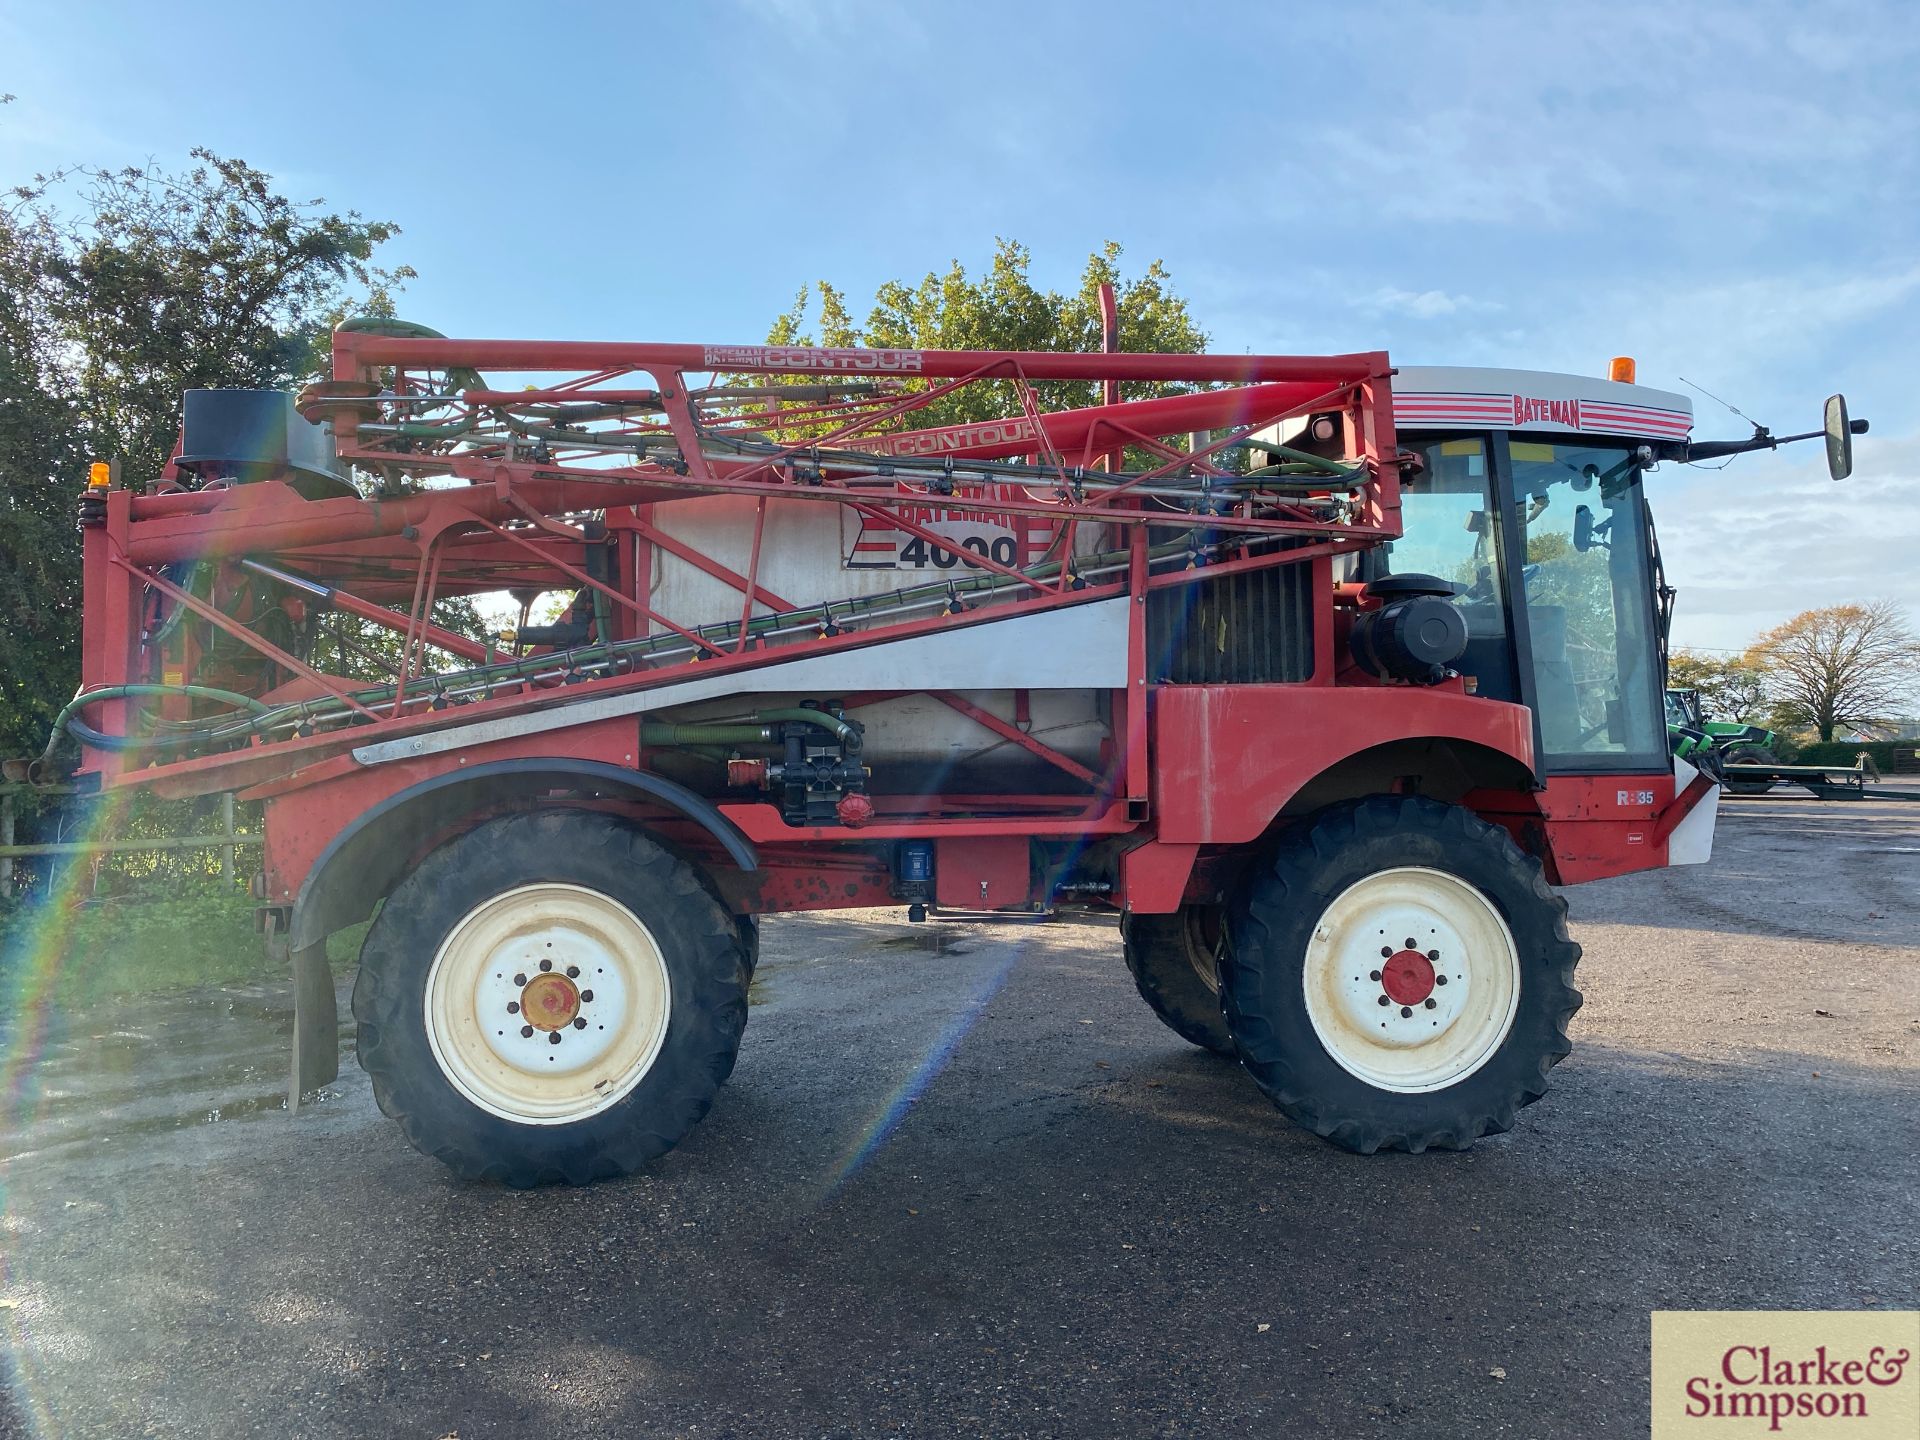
(963, 1182)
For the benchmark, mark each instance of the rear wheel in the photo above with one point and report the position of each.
(1400, 976)
(1175, 960)
(550, 997)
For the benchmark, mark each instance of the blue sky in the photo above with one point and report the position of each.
(1730, 193)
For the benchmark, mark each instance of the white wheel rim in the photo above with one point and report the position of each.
(1367, 959)
(487, 987)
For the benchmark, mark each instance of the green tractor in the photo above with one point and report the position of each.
(1692, 736)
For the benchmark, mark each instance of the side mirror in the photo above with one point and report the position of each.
(1839, 438)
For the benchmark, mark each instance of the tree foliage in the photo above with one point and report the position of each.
(1003, 310)
(1842, 665)
(119, 290)
(1731, 688)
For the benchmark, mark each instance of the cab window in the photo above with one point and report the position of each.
(1589, 617)
(1452, 531)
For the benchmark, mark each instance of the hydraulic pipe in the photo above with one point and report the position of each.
(71, 710)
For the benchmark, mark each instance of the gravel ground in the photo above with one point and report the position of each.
(963, 1182)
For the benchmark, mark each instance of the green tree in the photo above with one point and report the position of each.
(1731, 688)
(1003, 310)
(1842, 665)
(42, 456)
(119, 290)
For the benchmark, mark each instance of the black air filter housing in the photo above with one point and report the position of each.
(1416, 635)
(250, 435)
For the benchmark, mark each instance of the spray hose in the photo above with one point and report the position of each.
(69, 721)
(250, 717)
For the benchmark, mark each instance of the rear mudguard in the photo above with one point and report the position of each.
(363, 863)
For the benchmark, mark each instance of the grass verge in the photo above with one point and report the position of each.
(200, 935)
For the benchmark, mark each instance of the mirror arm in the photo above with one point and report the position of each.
(1714, 449)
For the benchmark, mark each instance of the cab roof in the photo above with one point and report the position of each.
(1446, 397)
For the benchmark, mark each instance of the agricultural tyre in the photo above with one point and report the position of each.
(550, 997)
(1750, 755)
(1176, 967)
(1399, 976)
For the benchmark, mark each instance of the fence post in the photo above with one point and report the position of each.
(226, 829)
(6, 838)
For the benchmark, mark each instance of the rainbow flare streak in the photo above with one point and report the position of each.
(34, 948)
(903, 1097)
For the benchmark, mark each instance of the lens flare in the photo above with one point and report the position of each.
(35, 948)
(894, 1108)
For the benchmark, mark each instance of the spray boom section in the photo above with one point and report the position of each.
(682, 495)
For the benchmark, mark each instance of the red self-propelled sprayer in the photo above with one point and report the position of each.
(1315, 673)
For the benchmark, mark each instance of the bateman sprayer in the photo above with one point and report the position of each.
(1315, 673)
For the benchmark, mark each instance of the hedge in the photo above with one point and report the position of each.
(1843, 752)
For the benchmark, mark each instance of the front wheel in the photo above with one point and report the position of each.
(550, 997)
(1400, 976)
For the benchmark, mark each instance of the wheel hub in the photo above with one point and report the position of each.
(550, 1002)
(1407, 976)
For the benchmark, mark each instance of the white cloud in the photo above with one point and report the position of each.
(1422, 304)
(1769, 536)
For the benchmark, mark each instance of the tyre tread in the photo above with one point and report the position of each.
(710, 979)
(1287, 885)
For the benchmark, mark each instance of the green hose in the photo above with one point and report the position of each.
(659, 732)
(389, 325)
(1301, 457)
(121, 692)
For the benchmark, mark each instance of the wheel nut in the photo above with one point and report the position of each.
(1439, 979)
(520, 979)
(1410, 942)
(1386, 952)
(586, 995)
(1385, 1001)
(1405, 1011)
(1430, 1002)
(1434, 955)
(513, 1007)
(1373, 975)
(573, 972)
(526, 1032)
(579, 1022)
(546, 964)
(553, 1038)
